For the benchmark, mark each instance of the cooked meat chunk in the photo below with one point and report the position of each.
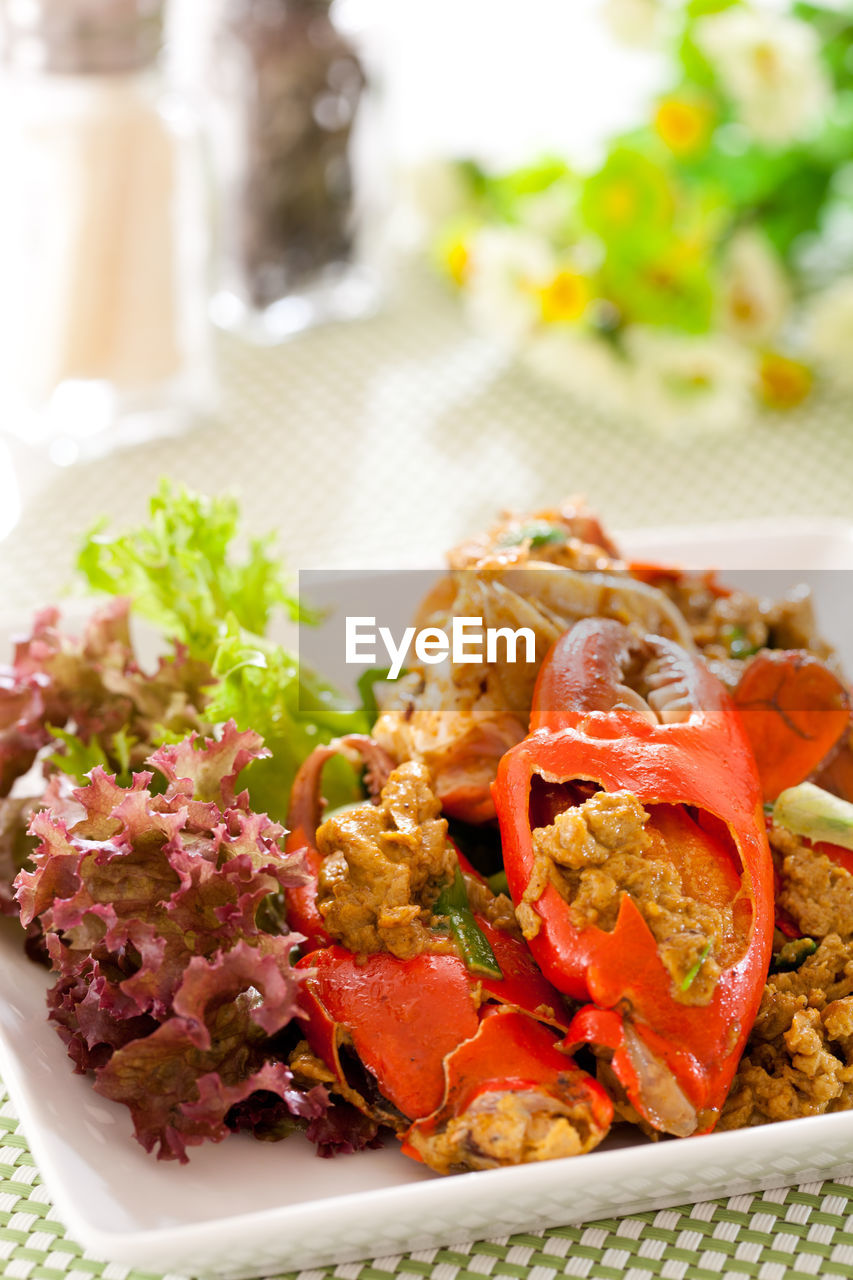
(799, 1058)
(731, 626)
(384, 867)
(734, 625)
(541, 572)
(814, 891)
(598, 851)
(545, 570)
(494, 907)
(506, 1129)
(307, 1068)
(569, 535)
(792, 624)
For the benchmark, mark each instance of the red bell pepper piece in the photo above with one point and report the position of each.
(693, 770)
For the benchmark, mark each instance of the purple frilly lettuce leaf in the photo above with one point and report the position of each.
(167, 987)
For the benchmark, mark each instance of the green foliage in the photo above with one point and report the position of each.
(183, 574)
(629, 199)
(834, 27)
(260, 685)
(78, 756)
(650, 228)
(695, 66)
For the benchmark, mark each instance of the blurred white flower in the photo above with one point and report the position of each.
(584, 365)
(821, 258)
(755, 292)
(634, 22)
(506, 270)
(829, 330)
(770, 65)
(434, 190)
(684, 381)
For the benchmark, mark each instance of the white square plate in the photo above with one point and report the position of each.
(246, 1208)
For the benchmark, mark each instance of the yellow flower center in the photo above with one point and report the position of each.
(744, 307)
(683, 126)
(564, 298)
(783, 383)
(457, 259)
(767, 63)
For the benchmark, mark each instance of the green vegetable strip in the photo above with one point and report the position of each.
(792, 955)
(539, 533)
(810, 811)
(693, 972)
(367, 693)
(452, 903)
(739, 645)
(498, 883)
(454, 896)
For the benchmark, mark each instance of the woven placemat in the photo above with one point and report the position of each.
(786, 1234)
(390, 439)
(384, 442)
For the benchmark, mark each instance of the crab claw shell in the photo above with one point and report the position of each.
(401, 1019)
(465, 717)
(306, 801)
(794, 710)
(586, 672)
(384, 1026)
(836, 772)
(649, 1086)
(511, 1097)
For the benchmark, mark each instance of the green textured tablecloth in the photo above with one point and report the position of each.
(384, 441)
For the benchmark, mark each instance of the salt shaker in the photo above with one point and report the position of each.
(103, 329)
(292, 165)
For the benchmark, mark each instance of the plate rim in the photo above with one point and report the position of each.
(125, 1245)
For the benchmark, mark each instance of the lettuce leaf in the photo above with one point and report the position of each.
(180, 570)
(89, 699)
(155, 888)
(262, 685)
(90, 695)
(167, 986)
(181, 1081)
(183, 574)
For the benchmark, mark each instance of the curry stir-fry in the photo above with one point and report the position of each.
(609, 883)
(572, 874)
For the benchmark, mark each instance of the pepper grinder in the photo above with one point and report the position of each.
(291, 163)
